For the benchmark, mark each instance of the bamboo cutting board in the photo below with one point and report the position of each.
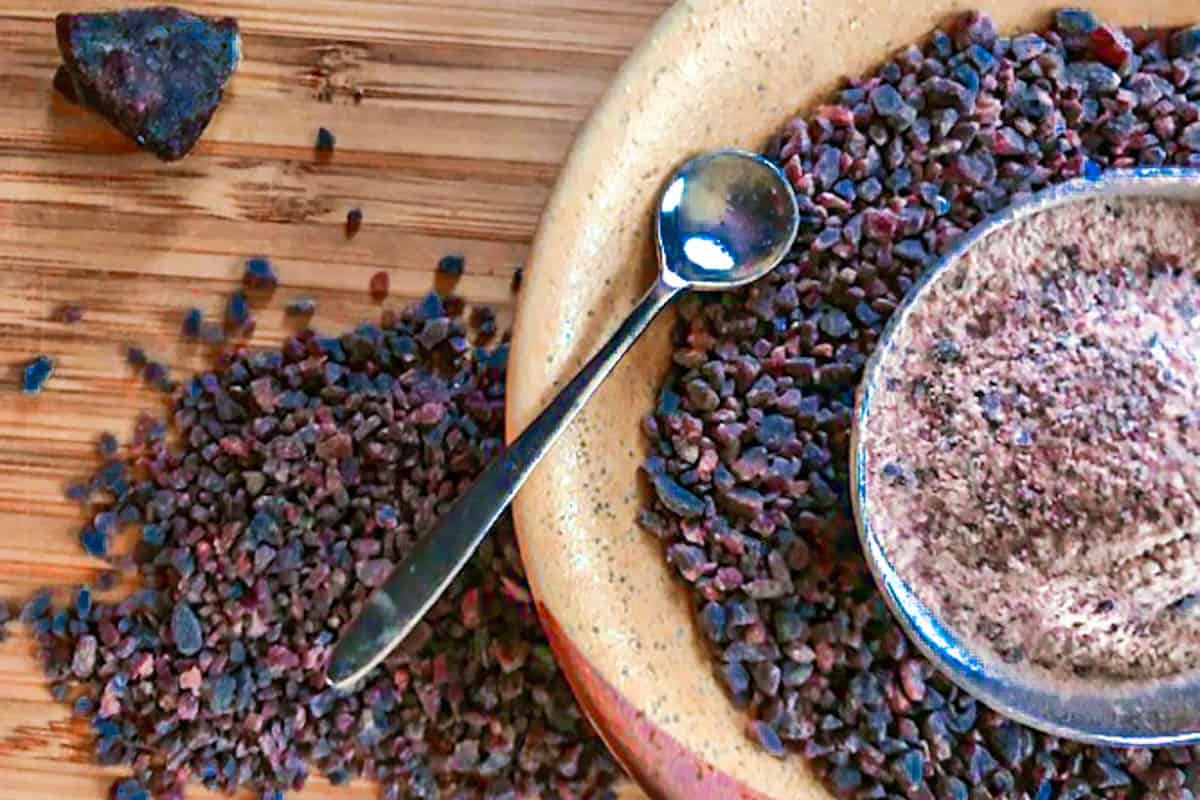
(468, 107)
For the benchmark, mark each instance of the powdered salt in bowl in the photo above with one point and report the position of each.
(1117, 681)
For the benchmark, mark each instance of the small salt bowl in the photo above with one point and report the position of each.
(1134, 712)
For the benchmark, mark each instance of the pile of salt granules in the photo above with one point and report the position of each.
(749, 462)
(296, 479)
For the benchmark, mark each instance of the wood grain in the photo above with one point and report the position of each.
(467, 110)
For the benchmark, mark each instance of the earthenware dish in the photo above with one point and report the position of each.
(712, 73)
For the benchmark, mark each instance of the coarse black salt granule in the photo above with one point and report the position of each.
(260, 274)
(157, 74)
(36, 373)
(238, 319)
(453, 265)
(193, 318)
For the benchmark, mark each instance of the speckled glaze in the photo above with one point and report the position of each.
(713, 73)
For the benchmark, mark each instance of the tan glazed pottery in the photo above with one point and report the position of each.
(713, 73)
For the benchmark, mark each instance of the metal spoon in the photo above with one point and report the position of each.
(725, 219)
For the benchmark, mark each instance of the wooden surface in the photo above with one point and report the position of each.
(469, 107)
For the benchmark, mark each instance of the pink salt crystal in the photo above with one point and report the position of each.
(280, 658)
(366, 548)
(312, 658)
(263, 390)
(708, 462)
(752, 464)
(471, 614)
(501, 739)
(838, 115)
(110, 705)
(234, 446)
(510, 655)
(441, 670)
(337, 446)
(912, 679)
(189, 706)
(755, 633)
(896, 700)
(374, 572)
(429, 414)
(806, 185)
(1110, 46)
(1007, 142)
(794, 170)
(728, 578)
(143, 665)
(833, 202)
(568, 762)
(693, 531)
(826, 656)
(258, 628)
(763, 524)
(515, 591)
(191, 679)
(109, 634)
(431, 700)
(880, 225)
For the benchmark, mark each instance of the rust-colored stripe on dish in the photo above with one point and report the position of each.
(662, 766)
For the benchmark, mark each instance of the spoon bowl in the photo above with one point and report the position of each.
(725, 220)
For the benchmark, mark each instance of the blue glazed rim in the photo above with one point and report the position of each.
(1152, 713)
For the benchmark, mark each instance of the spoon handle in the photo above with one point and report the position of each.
(395, 608)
